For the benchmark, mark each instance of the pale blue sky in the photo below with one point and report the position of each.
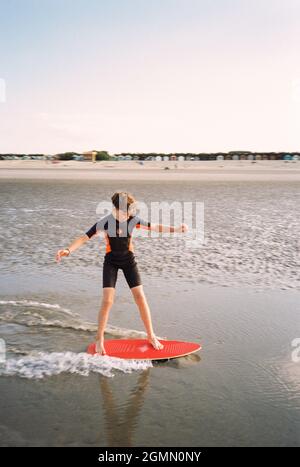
(150, 75)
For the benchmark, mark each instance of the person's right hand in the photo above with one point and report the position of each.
(60, 254)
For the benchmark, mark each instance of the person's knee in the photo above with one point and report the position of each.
(107, 301)
(138, 294)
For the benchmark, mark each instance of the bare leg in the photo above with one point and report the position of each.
(141, 301)
(106, 304)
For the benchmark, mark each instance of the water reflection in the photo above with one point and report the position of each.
(120, 428)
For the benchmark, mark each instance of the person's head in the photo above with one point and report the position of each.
(124, 204)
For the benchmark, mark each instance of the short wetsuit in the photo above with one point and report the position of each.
(119, 248)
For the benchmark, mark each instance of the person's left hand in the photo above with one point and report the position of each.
(182, 228)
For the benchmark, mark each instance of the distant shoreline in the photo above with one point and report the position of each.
(152, 170)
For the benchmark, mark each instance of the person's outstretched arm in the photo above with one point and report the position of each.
(77, 243)
(182, 228)
(147, 225)
(169, 228)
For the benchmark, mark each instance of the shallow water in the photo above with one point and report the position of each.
(252, 230)
(238, 294)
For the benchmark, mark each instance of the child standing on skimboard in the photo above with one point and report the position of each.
(117, 228)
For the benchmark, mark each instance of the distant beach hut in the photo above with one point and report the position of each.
(173, 158)
(295, 157)
(250, 157)
(235, 157)
(166, 158)
(120, 158)
(181, 158)
(158, 158)
(128, 158)
(90, 156)
(287, 157)
(258, 157)
(220, 157)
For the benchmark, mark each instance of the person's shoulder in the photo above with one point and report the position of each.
(134, 219)
(140, 222)
(102, 223)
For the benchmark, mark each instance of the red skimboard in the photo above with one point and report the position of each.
(141, 349)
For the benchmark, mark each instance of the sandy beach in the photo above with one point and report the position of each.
(152, 170)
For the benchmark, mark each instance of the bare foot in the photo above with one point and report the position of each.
(155, 342)
(100, 347)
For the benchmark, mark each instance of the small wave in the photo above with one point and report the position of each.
(53, 315)
(35, 319)
(32, 303)
(40, 365)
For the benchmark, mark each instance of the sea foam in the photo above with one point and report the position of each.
(39, 365)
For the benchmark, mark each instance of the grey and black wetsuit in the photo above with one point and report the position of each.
(119, 248)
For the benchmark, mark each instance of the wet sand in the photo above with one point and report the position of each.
(241, 389)
(160, 171)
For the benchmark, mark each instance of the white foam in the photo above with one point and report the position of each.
(40, 365)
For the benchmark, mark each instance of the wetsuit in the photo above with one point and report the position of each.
(119, 248)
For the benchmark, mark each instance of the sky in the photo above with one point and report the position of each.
(149, 75)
